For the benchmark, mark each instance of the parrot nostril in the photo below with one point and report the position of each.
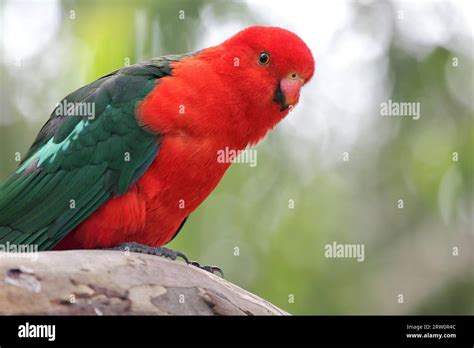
(294, 76)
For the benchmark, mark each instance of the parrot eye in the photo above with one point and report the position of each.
(263, 58)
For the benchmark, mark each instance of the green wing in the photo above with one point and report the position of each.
(77, 163)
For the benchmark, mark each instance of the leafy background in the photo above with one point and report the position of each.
(366, 53)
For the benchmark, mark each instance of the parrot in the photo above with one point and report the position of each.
(131, 175)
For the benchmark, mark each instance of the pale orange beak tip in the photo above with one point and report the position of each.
(291, 86)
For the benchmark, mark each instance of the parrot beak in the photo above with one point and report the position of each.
(288, 91)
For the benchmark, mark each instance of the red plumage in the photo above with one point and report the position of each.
(228, 99)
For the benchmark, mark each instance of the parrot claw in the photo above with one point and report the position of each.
(210, 269)
(165, 252)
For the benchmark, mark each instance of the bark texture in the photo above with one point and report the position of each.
(103, 282)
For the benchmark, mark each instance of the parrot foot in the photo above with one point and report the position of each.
(165, 252)
(145, 249)
(210, 269)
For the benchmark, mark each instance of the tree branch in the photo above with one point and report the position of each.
(110, 282)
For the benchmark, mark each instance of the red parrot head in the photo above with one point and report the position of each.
(274, 60)
(238, 90)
